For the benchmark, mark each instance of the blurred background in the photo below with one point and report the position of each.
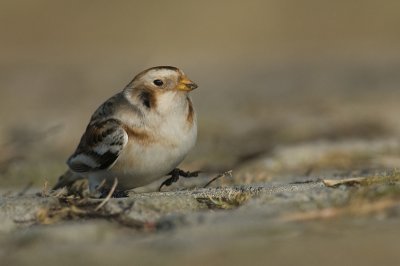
(271, 73)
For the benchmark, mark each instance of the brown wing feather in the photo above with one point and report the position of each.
(99, 147)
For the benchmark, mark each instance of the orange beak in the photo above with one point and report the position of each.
(186, 84)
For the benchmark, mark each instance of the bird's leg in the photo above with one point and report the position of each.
(175, 174)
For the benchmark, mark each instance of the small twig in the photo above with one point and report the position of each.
(106, 199)
(45, 188)
(218, 176)
(102, 183)
(60, 192)
(347, 181)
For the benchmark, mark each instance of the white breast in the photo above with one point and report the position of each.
(141, 163)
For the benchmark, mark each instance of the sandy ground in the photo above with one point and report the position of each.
(334, 216)
(300, 223)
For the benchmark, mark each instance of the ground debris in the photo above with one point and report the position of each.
(86, 208)
(347, 181)
(231, 201)
(390, 177)
(372, 196)
(227, 173)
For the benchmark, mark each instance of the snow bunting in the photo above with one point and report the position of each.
(139, 135)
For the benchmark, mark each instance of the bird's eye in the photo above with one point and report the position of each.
(158, 82)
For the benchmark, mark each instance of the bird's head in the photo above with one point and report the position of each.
(163, 78)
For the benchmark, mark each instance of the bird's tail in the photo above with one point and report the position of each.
(67, 179)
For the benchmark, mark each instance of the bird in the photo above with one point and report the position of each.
(139, 135)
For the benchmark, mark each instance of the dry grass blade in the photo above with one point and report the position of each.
(101, 185)
(45, 189)
(348, 181)
(114, 186)
(227, 173)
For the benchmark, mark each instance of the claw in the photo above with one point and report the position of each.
(175, 174)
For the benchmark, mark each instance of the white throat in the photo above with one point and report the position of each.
(171, 101)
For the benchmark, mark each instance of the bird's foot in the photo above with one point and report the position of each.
(175, 174)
